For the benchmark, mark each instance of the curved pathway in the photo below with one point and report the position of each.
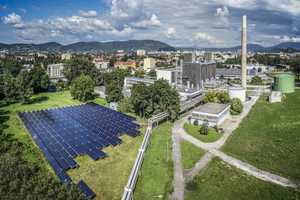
(212, 149)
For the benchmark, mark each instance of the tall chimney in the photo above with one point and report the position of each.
(244, 51)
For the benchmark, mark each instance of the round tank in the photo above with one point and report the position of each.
(284, 83)
(238, 92)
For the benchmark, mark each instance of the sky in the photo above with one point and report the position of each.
(208, 23)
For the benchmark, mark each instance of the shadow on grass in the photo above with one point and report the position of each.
(38, 100)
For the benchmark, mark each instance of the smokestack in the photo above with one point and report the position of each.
(244, 51)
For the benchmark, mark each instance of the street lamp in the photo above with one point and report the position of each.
(159, 196)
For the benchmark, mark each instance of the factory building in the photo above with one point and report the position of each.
(235, 74)
(215, 113)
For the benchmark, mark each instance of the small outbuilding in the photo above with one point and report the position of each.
(275, 96)
(215, 113)
(113, 105)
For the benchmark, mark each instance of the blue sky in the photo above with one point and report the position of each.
(210, 23)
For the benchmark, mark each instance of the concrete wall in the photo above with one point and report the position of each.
(167, 75)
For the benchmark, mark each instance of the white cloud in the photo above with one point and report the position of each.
(222, 17)
(251, 25)
(172, 34)
(90, 13)
(12, 19)
(19, 26)
(89, 37)
(35, 7)
(203, 38)
(288, 39)
(147, 23)
(21, 10)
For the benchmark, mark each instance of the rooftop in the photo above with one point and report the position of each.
(139, 79)
(219, 72)
(190, 91)
(212, 108)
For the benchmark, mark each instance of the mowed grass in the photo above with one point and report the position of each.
(190, 154)
(269, 137)
(194, 131)
(248, 92)
(223, 181)
(156, 173)
(107, 177)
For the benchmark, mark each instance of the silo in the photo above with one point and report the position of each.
(284, 83)
(237, 92)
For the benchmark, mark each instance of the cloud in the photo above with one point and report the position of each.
(35, 7)
(222, 18)
(89, 37)
(3, 7)
(12, 19)
(203, 38)
(288, 39)
(147, 23)
(251, 25)
(19, 26)
(21, 10)
(172, 34)
(90, 13)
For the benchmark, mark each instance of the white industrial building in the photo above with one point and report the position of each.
(55, 70)
(130, 80)
(215, 113)
(237, 92)
(66, 56)
(275, 96)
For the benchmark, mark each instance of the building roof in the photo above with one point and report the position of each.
(101, 60)
(139, 79)
(212, 108)
(276, 94)
(234, 72)
(123, 63)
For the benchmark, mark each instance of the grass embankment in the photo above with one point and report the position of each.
(106, 177)
(248, 92)
(190, 154)
(269, 137)
(222, 181)
(194, 131)
(156, 173)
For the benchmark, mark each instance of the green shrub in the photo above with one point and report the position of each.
(236, 107)
(192, 185)
(204, 130)
(196, 123)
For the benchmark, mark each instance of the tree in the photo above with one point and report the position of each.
(236, 107)
(82, 88)
(204, 130)
(139, 97)
(124, 105)
(196, 122)
(255, 80)
(211, 96)
(113, 92)
(223, 97)
(12, 66)
(9, 88)
(295, 65)
(152, 73)
(139, 74)
(40, 79)
(24, 86)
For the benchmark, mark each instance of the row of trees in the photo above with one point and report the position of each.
(151, 100)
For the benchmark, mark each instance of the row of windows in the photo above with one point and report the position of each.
(205, 116)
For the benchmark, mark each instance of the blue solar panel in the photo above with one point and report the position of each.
(64, 153)
(71, 162)
(90, 146)
(100, 153)
(64, 165)
(47, 154)
(95, 137)
(78, 150)
(51, 148)
(58, 147)
(84, 148)
(103, 142)
(89, 139)
(97, 144)
(63, 177)
(55, 165)
(65, 145)
(118, 140)
(41, 145)
(93, 155)
(86, 190)
(83, 141)
(71, 152)
(77, 142)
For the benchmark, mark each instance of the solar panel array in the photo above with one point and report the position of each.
(85, 189)
(64, 133)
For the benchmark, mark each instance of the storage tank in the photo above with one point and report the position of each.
(284, 83)
(238, 92)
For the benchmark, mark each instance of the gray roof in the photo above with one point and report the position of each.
(139, 79)
(212, 108)
(233, 72)
(276, 93)
(190, 91)
(100, 88)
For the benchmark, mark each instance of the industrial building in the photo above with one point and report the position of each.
(129, 81)
(215, 113)
(208, 56)
(55, 70)
(275, 96)
(168, 74)
(149, 63)
(235, 74)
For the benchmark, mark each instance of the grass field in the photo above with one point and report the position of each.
(269, 137)
(248, 92)
(107, 177)
(190, 154)
(156, 173)
(193, 131)
(222, 181)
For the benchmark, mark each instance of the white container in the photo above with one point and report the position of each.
(237, 92)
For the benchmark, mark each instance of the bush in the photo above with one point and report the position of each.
(82, 88)
(204, 130)
(192, 185)
(196, 123)
(236, 107)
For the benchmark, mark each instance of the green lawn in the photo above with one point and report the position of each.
(248, 92)
(222, 181)
(190, 154)
(107, 177)
(156, 173)
(193, 131)
(269, 137)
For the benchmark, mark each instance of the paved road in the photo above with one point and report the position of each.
(212, 149)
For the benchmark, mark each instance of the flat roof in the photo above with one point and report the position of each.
(219, 72)
(276, 93)
(212, 108)
(189, 91)
(139, 79)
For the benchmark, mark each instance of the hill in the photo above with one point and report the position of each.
(127, 46)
